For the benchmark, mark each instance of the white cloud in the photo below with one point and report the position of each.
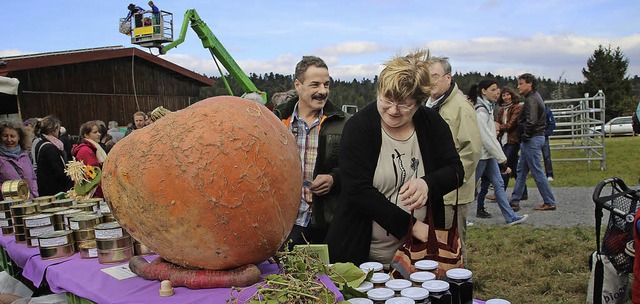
(549, 54)
(284, 64)
(351, 48)
(349, 72)
(8, 53)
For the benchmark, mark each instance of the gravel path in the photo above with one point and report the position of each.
(575, 208)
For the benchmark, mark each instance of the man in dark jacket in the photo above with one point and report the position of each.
(546, 148)
(533, 123)
(317, 124)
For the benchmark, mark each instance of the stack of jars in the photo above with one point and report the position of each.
(36, 225)
(422, 288)
(18, 213)
(83, 227)
(114, 244)
(6, 223)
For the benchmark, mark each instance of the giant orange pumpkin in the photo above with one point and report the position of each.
(213, 186)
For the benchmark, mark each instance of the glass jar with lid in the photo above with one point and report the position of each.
(419, 277)
(365, 286)
(379, 278)
(368, 266)
(461, 285)
(418, 294)
(379, 295)
(438, 291)
(397, 285)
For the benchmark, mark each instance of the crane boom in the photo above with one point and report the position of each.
(217, 50)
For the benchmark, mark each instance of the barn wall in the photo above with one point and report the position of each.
(102, 90)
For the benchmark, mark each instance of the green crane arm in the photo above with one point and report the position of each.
(211, 42)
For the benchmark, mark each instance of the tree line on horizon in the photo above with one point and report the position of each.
(606, 70)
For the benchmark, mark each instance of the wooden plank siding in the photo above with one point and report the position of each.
(110, 89)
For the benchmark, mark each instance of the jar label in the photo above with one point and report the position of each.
(3, 215)
(109, 233)
(37, 231)
(56, 241)
(93, 252)
(34, 242)
(37, 222)
(74, 225)
(4, 223)
(104, 209)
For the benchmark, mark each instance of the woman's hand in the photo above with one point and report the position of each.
(414, 193)
(503, 168)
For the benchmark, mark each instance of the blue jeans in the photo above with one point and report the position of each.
(490, 169)
(511, 151)
(531, 159)
(546, 156)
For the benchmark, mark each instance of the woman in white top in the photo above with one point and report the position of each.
(493, 162)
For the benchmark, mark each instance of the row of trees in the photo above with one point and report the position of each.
(606, 70)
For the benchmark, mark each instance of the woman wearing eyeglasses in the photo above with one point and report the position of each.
(395, 156)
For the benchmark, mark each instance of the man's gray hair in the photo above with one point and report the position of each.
(113, 124)
(444, 61)
(254, 96)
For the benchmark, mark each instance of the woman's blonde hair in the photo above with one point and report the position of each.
(406, 77)
(48, 125)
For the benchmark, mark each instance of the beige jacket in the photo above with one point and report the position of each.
(461, 117)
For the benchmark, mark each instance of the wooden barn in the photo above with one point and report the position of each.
(109, 83)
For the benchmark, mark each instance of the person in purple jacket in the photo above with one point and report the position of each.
(15, 163)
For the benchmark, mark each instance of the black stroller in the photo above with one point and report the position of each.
(622, 203)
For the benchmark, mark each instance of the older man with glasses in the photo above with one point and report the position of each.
(453, 106)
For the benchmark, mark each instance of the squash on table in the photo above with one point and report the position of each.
(213, 186)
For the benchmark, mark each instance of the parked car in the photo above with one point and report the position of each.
(617, 126)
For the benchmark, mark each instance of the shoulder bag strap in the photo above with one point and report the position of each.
(38, 153)
(18, 169)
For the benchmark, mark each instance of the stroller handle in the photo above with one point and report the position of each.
(605, 201)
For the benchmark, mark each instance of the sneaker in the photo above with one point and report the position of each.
(545, 207)
(518, 220)
(469, 223)
(550, 178)
(515, 206)
(483, 214)
(491, 197)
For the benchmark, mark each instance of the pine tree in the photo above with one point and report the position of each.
(607, 71)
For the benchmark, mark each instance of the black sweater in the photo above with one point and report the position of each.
(349, 236)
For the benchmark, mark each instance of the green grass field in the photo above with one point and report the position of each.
(530, 265)
(547, 265)
(622, 160)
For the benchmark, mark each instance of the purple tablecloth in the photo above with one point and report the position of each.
(84, 278)
(19, 253)
(33, 267)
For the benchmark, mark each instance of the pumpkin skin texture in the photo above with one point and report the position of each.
(214, 186)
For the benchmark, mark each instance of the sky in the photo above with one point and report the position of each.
(549, 38)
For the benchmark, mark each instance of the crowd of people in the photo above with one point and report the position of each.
(38, 150)
(365, 175)
(423, 141)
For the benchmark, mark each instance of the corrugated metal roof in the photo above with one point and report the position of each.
(42, 60)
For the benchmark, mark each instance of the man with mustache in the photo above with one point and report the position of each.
(317, 125)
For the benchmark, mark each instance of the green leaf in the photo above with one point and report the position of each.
(349, 293)
(350, 272)
(300, 266)
(274, 277)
